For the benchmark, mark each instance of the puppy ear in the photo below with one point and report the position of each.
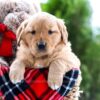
(63, 30)
(20, 31)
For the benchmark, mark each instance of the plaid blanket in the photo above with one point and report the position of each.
(34, 86)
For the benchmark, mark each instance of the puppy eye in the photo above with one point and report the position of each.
(33, 32)
(50, 32)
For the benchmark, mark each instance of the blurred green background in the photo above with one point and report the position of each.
(76, 14)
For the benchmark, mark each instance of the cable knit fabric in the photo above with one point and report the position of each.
(14, 12)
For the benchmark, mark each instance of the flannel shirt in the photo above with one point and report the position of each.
(35, 86)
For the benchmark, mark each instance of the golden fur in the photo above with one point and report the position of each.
(58, 54)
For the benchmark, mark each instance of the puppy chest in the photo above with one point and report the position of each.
(41, 63)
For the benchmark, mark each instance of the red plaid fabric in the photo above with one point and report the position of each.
(34, 86)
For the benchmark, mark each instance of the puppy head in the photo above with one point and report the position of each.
(42, 33)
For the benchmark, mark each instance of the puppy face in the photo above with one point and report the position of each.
(42, 33)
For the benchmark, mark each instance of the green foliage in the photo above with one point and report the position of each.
(92, 59)
(76, 14)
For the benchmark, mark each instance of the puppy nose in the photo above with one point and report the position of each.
(41, 45)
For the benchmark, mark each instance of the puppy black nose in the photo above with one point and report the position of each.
(41, 45)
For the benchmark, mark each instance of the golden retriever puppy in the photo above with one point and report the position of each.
(43, 42)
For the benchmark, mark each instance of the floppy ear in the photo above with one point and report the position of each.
(63, 30)
(20, 31)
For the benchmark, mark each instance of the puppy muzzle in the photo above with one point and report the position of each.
(41, 45)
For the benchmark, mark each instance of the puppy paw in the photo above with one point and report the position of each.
(55, 81)
(16, 75)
